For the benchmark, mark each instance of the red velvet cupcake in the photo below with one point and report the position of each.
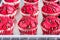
(29, 10)
(7, 10)
(51, 10)
(29, 27)
(6, 25)
(49, 25)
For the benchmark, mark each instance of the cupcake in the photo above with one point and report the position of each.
(29, 10)
(7, 10)
(49, 25)
(29, 27)
(6, 25)
(50, 10)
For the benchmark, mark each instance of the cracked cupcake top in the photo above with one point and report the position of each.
(29, 9)
(51, 8)
(50, 23)
(6, 9)
(28, 22)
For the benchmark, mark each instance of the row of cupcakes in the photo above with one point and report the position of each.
(8, 10)
(51, 17)
(28, 23)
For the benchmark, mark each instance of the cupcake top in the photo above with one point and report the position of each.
(7, 9)
(51, 8)
(11, 0)
(5, 23)
(29, 9)
(50, 23)
(31, 1)
(32, 23)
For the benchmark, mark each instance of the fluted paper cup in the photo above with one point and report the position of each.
(29, 14)
(47, 14)
(9, 15)
(32, 31)
(9, 31)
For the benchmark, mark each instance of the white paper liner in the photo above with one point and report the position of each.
(49, 2)
(58, 30)
(45, 29)
(29, 14)
(27, 29)
(13, 14)
(54, 14)
(11, 3)
(30, 2)
(1, 31)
